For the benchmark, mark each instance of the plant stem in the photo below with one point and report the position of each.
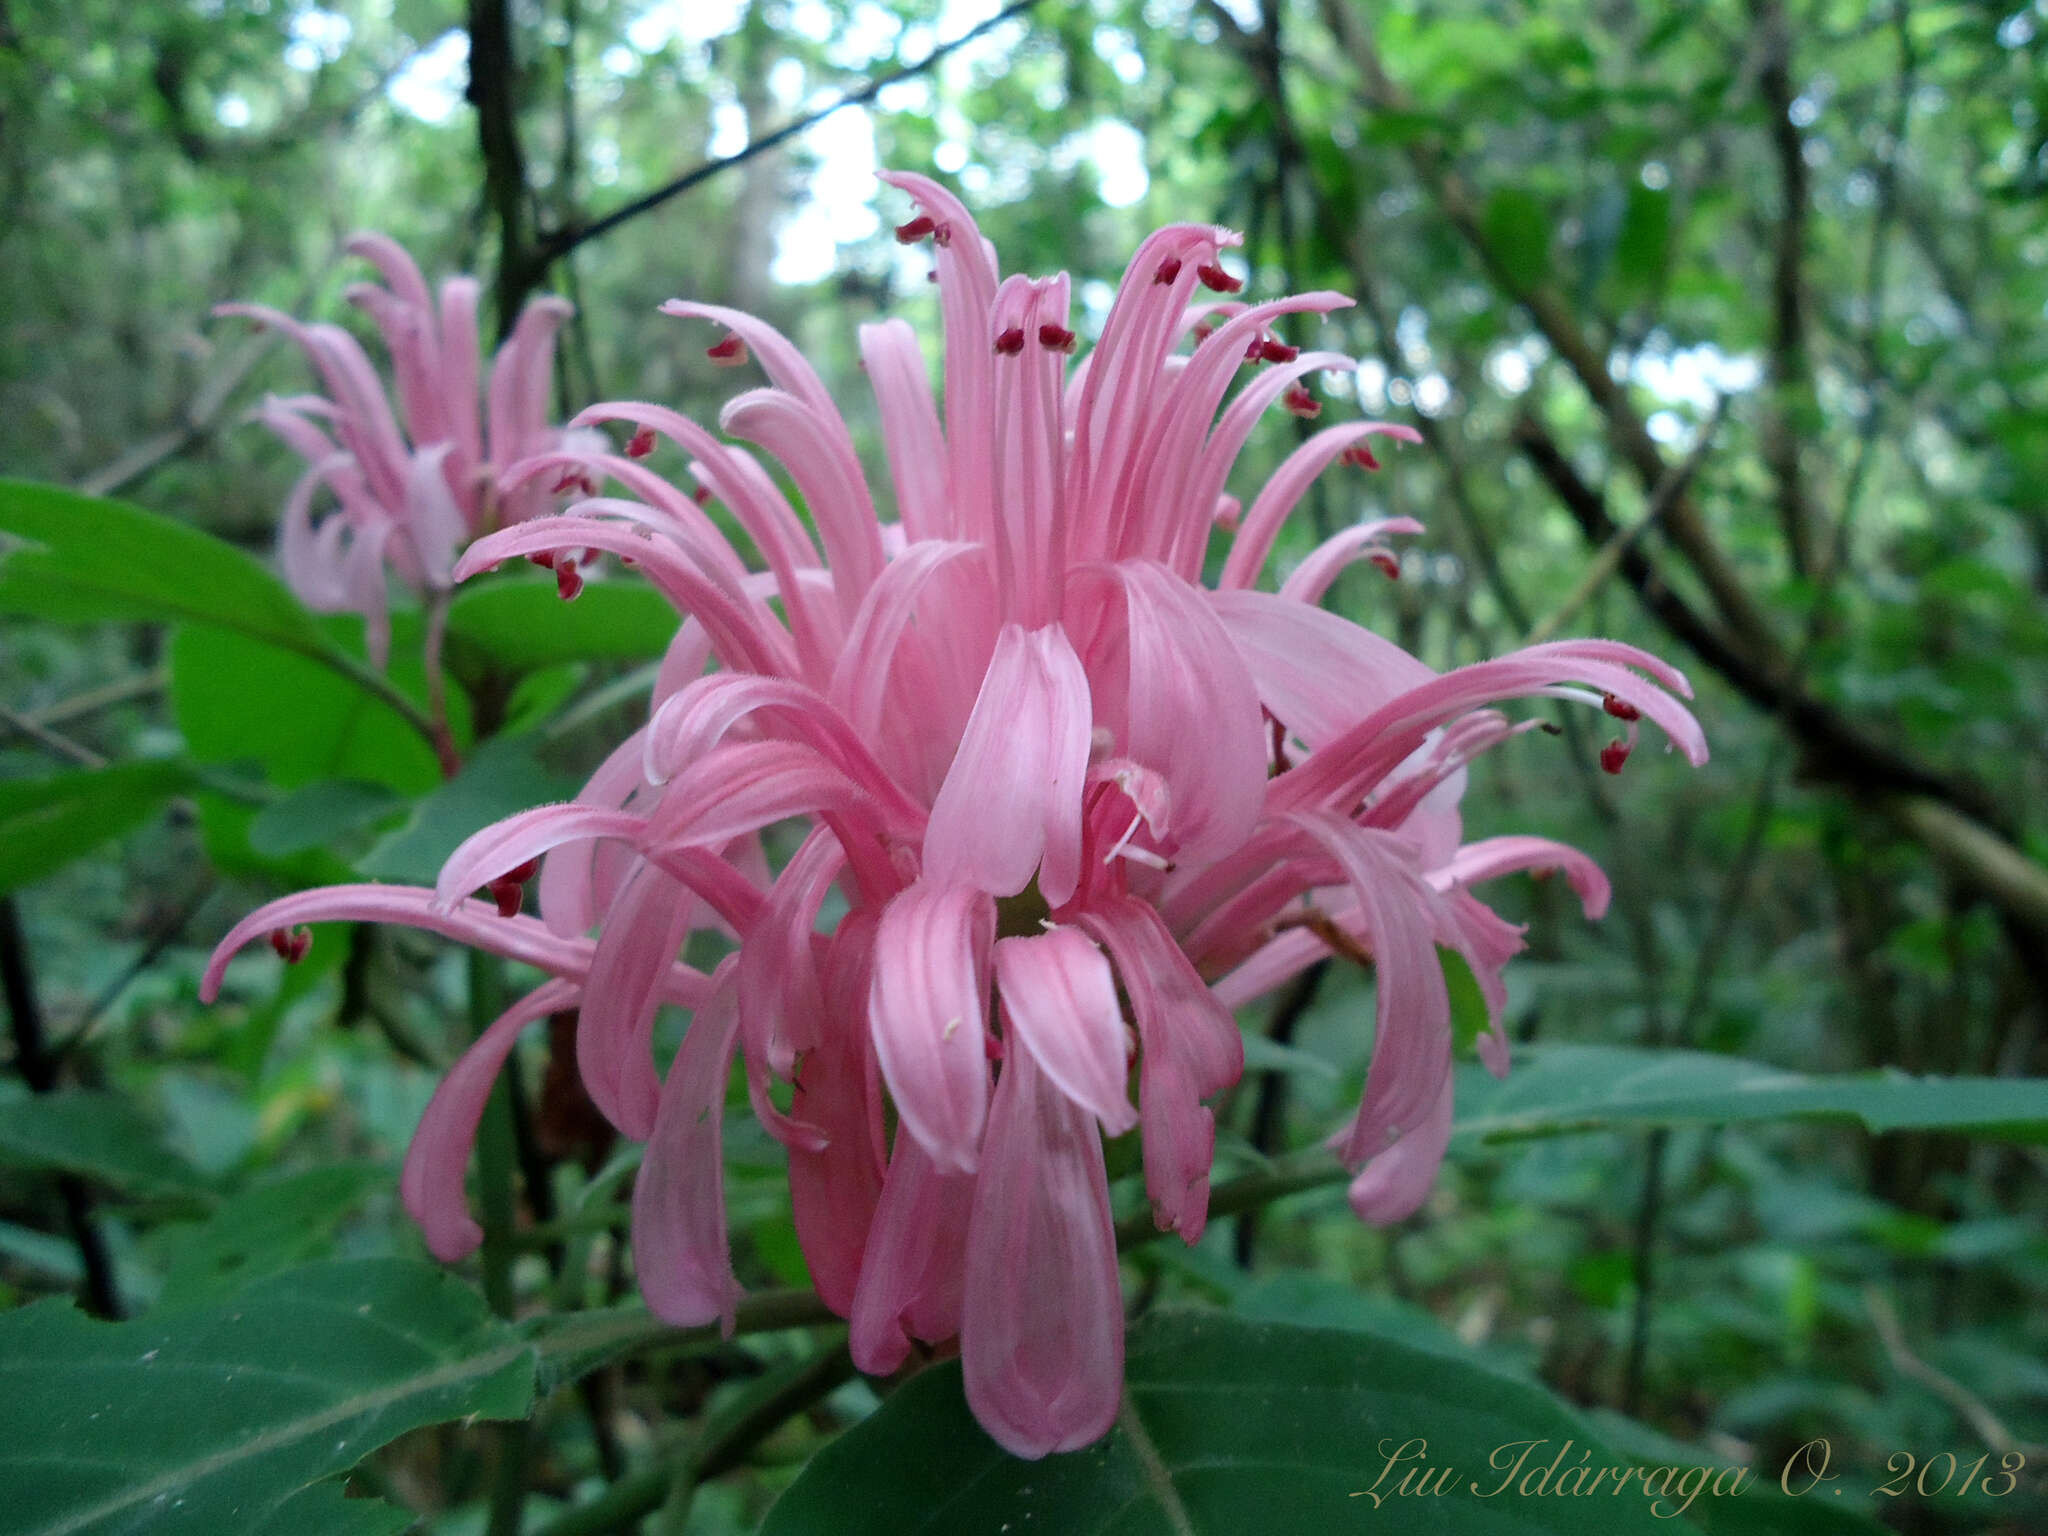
(763, 1407)
(495, 1160)
(38, 1068)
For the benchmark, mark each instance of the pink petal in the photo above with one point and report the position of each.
(913, 1271)
(521, 377)
(1042, 1329)
(1412, 1038)
(475, 923)
(1495, 856)
(1188, 709)
(910, 428)
(1059, 997)
(504, 845)
(682, 1254)
(1310, 580)
(1189, 1047)
(1261, 525)
(810, 446)
(568, 904)
(1393, 1184)
(928, 1009)
(834, 1189)
(642, 937)
(1013, 794)
(431, 1185)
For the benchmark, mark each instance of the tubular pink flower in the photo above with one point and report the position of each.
(1076, 804)
(412, 486)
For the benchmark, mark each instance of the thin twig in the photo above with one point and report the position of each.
(38, 1068)
(1270, 1110)
(558, 243)
(1677, 480)
(55, 741)
(721, 1445)
(121, 691)
(1884, 1318)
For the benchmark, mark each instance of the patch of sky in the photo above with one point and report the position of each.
(430, 85)
(316, 37)
(1117, 152)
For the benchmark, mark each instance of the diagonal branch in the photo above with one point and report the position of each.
(1790, 402)
(559, 242)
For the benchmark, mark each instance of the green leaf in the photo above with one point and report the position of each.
(1517, 232)
(219, 1421)
(320, 814)
(1556, 1089)
(1469, 1018)
(290, 1219)
(1245, 1427)
(46, 823)
(101, 1136)
(238, 698)
(521, 625)
(1644, 245)
(86, 558)
(502, 778)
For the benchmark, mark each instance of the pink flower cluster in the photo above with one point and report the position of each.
(1077, 803)
(407, 499)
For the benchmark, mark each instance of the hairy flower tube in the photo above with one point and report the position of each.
(411, 487)
(1078, 803)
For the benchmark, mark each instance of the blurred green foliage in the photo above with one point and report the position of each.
(1765, 281)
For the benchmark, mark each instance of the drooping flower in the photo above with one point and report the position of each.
(410, 487)
(1079, 805)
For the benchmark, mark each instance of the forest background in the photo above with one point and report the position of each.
(1726, 328)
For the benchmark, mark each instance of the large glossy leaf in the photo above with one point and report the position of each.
(45, 823)
(1230, 1426)
(320, 814)
(101, 1136)
(86, 558)
(504, 777)
(238, 698)
(522, 624)
(277, 1222)
(221, 1421)
(1561, 1088)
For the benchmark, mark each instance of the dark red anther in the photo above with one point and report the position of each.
(701, 495)
(545, 559)
(291, 944)
(1388, 565)
(1361, 456)
(1169, 269)
(1214, 277)
(942, 235)
(729, 353)
(574, 480)
(642, 443)
(1621, 709)
(1299, 402)
(1273, 350)
(1056, 338)
(924, 224)
(508, 894)
(568, 580)
(1204, 330)
(1613, 755)
(991, 1047)
(519, 874)
(1256, 352)
(1009, 343)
